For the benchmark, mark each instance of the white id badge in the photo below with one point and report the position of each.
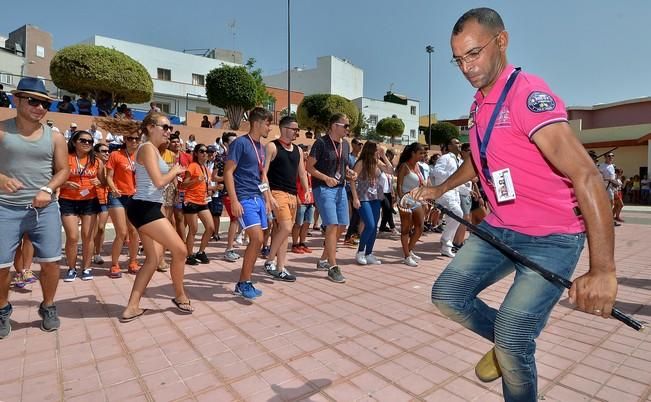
(338, 176)
(84, 192)
(263, 187)
(504, 189)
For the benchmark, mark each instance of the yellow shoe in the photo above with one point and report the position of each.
(488, 369)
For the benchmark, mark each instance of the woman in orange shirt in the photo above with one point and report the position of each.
(120, 176)
(102, 153)
(195, 205)
(78, 200)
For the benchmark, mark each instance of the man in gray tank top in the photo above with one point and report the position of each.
(33, 165)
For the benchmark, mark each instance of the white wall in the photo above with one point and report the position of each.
(383, 109)
(10, 64)
(181, 65)
(331, 76)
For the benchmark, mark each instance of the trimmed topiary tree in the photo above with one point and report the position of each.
(442, 132)
(109, 76)
(315, 111)
(390, 127)
(232, 89)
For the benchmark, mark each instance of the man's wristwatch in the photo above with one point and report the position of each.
(46, 189)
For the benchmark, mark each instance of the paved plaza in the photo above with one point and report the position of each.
(376, 337)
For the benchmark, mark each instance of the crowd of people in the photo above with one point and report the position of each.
(155, 195)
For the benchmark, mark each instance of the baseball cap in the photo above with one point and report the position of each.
(73, 125)
(211, 148)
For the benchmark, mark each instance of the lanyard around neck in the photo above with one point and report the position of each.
(483, 145)
(257, 154)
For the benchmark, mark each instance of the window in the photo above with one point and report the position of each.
(412, 133)
(164, 107)
(40, 51)
(202, 110)
(198, 79)
(271, 106)
(5, 78)
(164, 74)
(372, 120)
(413, 110)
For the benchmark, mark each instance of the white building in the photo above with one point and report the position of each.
(408, 110)
(179, 78)
(332, 75)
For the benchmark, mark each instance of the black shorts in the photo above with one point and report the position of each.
(79, 207)
(191, 208)
(142, 212)
(216, 206)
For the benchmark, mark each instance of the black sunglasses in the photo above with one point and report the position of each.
(35, 102)
(85, 141)
(202, 151)
(104, 151)
(132, 138)
(165, 127)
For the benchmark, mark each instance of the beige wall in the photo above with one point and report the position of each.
(628, 158)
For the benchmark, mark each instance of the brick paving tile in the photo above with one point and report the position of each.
(377, 337)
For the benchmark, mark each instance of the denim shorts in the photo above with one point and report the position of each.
(305, 213)
(333, 205)
(79, 207)
(42, 225)
(254, 213)
(466, 203)
(216, 206)
(118, 202)
(103, 208)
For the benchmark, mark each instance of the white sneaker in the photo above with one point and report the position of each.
(372, 260)
(360, 258)
(410, 262)
(414, 256)
(239, 240)
(447, 251)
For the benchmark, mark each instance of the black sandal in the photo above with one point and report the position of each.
(185, 307)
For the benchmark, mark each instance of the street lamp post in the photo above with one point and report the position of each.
(289, 62)
(429, 49)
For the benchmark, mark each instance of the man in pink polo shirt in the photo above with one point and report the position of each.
(544, 193)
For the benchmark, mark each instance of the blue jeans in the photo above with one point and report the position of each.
(525, 309)
(369, 211)
(333, 205)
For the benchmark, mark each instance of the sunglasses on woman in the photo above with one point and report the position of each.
(35, 102)
(85, 141)
(132, 138)
(202, 151)
(165, 127)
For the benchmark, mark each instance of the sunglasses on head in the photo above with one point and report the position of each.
(132, 138)
(165, 127)
(85, 141)
(344, 125)
(35, 102)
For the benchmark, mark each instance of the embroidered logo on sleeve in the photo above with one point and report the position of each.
(539, 102)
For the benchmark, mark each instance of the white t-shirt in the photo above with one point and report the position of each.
(607, 171)
(97, 136)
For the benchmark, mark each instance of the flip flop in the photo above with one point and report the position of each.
(185, 308)
(129, 319)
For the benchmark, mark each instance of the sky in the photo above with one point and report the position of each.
(588, 51)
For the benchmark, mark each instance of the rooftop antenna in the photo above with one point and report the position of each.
(391, 87)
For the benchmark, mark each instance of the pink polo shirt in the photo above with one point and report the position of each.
(545, 199)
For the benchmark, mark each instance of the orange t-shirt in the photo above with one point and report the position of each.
(102, 194)
(198, 192)
(124, 175)
(80, 173)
